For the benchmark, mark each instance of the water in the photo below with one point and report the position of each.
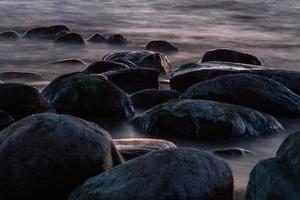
(269, 29)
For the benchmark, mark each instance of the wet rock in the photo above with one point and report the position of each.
(48, 155)
(117, 39)
(96, 38)
(88, 96)
(20, 100)
(277, 178)
(161, 46)
(143, 59)
(70, 38)
(152, 97)
(165, 174)
(104, 66)
(232, 152)
(27, 76)
(133, 80)
(253, 91)
(227, 55)
(69, 61)
(10, 36)
(5, 120)
(48, 33)
(126, 62)
(190, 74)
(135, 147)
(205, 120)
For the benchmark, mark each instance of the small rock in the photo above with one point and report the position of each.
(69, 61)
(161, 46)
(232, 152)
(70, 38)
(10, 36)
(104, 66)
(47, 33)
(27, 76)
(117, 39)
(96, 38)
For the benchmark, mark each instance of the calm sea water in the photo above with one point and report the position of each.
(269, 29)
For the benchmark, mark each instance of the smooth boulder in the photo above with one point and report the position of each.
(10, 36)
(205, 120)
(181, 174)
(46, 156)
(70, 38)
(47, 32)
(151, 97)
(135, 147)
(96, 38)
(88, 96)
(20, 100)
(228, 55)
(5, 120)
(249, 90)
(117, 39)
(161, 46)
(143, 59)
(277, 178)
(103, 66)
(134, 79)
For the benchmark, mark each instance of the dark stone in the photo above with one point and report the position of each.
(47, 33)
(70, 38)
(117, 39)
(143, 59)
(27, 76)
(20, 100)
(46, 156)
(253, 91)
(96, 38)
(161, 46)
(135, 147)
(190, 74)
(126, 62)
(152, 97)
(5, 120)
(134, 79)
(104, 66)
(277, 178)
(88, 96)
(10, 36)
(69, 61)
(235, 151)
(181, 174)
(227, 55)
(205, 119)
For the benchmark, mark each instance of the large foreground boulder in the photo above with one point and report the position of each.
(20, 100)
(144, 59)
(189, 74)
(134, 79)
(253, 91)
(277, 178)
(47, 33)
(5, 120)
(135, 147)
(227, 55)
(181, 174)
(104, 66)
(88, 96)
(151, 97)
(205, 119)
(46, 156)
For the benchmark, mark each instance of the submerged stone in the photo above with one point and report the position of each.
(48, 33)
(96, 38)
(70, 38)
(27, 76)
(161, 46)
(10, 36)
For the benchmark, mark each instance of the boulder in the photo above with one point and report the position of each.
(249, 90)
(232, 151)
(103, 66)
(227, 55)
(134, 79)
(70, 38)
(143, 59)
(151, 97)
(47, 33)
(126, 62)
(181, 174)
(277, 178)
(10, 36)
(117, 39)
(5, 120)
(46, 156)
(26, 76)
(88, 96)
(161, 46)
(205, 120)
(190, 74)
(20, 100)
(96, 38)
(69, 61)
(135, 147)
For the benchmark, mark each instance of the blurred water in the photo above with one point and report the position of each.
(269, 29)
